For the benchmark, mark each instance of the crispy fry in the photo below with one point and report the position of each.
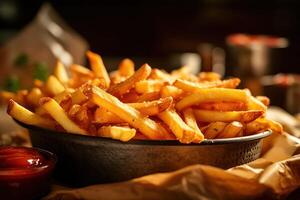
(153, 107)
(26, 116)
(59, 115)
(214, 116)
(262, 124)
(122, 133)
(34, 96)
(223, 106)
(5, 96)
(78, 97)
(123, 87)
(74, 110)
(171, 91)
(98, 67)
(265, 100)
(189, 86)
(161, 75)
(190, 120)
(130, 115)
(81, 71)
(126, 67)
(38, 83)
(183, 132)
(213, 129)
(117, 132)
(209, 76)
(212, 94)
(104, 116)
(184, 73)
(146, 86)
(53, 86)
(233, 129)
(116, 77)
(60, 73)
(151, 96)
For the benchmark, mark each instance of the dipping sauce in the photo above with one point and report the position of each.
(25, 172)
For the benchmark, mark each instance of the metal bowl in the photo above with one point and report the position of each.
(85, 160)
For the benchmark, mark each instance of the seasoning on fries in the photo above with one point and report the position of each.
(146, 103)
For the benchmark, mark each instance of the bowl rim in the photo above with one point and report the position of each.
(223, 141)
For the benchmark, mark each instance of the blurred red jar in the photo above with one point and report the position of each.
(25, 172)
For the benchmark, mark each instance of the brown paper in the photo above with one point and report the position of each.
(273, 176)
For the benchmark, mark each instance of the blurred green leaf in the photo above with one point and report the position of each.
(21, 60)
(12, 83)
(40, 71)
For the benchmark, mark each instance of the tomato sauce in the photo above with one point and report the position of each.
(25, 172)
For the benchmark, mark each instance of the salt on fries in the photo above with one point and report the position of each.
(144, 104)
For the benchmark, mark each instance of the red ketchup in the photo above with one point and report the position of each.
(25, 172)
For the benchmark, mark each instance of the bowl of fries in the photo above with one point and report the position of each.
(108, 127)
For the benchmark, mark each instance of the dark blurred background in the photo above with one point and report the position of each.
(156, 29)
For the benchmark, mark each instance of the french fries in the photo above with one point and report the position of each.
(213, 129)
(151, 108)
(126, 67)
(190, 120)
(228, 116)
(233, 129)
(58, 114)
(211, 94)
(117, 132)
(98, 67)
(53, 86)
(127, 113)
(146, 86)
(143, 104)
(223, 106)
(26, 116)
(123, 87)
(181, 130)
(60, 73)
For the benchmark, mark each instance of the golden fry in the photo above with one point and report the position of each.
(180, 129)
(189, 86)
(153, 107)
(34, 96)
(117, 132)
(213, 129)
(151, 96)
(53, 86)
(161, 75)
(171, 91)
(214, 116)
(233, 129)
(146, 86)
(60, 73)
(26, 116)
(124, 87)
(126, 67)
(265, 100)
(104, 116)
(223, 106)
(209, 76)
(98, 67)
(212, 94)
(125, 112)
(190, 120)
(59, 115)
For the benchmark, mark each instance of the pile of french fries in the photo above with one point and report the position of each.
(148, 103)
